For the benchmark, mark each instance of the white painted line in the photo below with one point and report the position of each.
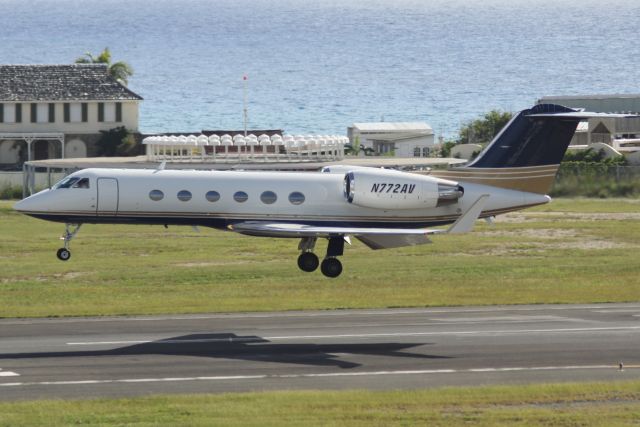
(617, 310)
(8, 374)
(380, 335)
(319, 375)
(333, 313)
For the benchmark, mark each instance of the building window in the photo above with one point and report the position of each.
(240, 197)
(416, 152)
(268, 197)
(296, 198)
(184, 195)
(9, 113)
(75, 112)
(156, 195)
(425, 151)
(212, 196)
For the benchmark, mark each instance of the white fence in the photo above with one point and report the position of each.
(42, 179)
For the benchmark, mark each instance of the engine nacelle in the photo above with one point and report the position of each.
(389, 189)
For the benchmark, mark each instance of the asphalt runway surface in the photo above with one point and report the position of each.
(344, 349)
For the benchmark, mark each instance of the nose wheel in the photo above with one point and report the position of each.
(63, 254)
(70, 231)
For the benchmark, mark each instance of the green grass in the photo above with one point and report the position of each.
(571, 251)
(578, 404)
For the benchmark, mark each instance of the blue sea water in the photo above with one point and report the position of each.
(318, 66)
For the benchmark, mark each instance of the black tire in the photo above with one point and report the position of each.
(331, 267)
(63, 254)
(308, 261)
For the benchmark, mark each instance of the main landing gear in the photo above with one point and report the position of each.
(70, 231)
(331, 265)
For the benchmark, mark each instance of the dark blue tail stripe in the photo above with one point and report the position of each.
(530, 141)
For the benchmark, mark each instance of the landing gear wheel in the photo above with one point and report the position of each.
(308, 261)
(331, 267)
(63, 254)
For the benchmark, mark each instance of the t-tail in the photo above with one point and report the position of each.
(527, 152)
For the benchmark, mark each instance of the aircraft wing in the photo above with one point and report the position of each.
(375, 238)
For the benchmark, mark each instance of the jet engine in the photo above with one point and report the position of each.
(388, 189)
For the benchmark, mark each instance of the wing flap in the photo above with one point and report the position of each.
(389, 241)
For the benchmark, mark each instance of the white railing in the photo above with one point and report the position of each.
(250, 148)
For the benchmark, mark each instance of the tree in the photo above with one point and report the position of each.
(117, 142)
(121, 71)
(481, 131)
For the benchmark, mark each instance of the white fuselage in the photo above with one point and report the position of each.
(189, 197)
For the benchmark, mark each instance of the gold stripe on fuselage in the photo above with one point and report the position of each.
(534, 179)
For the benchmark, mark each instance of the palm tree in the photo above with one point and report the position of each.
(121, 71)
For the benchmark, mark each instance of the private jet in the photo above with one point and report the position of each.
(380, 207)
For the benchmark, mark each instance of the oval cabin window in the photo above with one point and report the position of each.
(212, 196)
(268, 197)
(156, 195)
(184, 195)
(296, 198)
(240, 197)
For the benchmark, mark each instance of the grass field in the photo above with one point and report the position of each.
(583, 404)
(571, 251)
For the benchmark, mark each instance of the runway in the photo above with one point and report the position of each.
(344, 349)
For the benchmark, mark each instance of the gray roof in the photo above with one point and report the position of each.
(73, 82)
(417, 127)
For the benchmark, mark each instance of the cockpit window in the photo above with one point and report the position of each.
(65, 183)
(83, 183)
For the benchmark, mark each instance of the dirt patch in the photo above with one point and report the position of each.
(537, 216)
(209, 264)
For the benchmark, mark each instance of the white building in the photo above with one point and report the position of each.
(403, 139)
(57, 111)
(611, 131)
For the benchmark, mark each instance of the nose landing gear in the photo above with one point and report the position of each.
(70, 231)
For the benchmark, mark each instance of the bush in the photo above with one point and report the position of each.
(10, 192)
(582, 179)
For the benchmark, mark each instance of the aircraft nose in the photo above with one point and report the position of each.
(31, 203)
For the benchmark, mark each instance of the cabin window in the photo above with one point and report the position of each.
(156, 195)
(83, 183)
(212, 196)
(65, 183)
(296, 198)
(268, 197)
(240, 197)
(184, 195)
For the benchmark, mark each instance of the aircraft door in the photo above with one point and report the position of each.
(107, 196)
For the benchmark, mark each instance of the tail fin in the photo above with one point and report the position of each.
(535, 137)
(527, 152)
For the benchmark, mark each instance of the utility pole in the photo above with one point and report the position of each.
(244, 102)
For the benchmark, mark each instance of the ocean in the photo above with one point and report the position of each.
(319, 66)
